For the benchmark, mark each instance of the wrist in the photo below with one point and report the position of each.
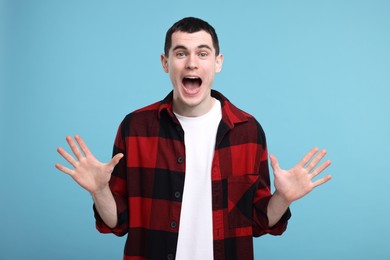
(100, 192)
(282, 200)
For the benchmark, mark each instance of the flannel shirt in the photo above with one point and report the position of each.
(148, 182)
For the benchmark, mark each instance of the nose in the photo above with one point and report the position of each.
(191, 62)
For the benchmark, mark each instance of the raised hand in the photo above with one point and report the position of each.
(295, 183)
(88, 172)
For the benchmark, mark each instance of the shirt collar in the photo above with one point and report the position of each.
(230, 113)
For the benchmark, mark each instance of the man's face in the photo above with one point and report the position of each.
(192, 65)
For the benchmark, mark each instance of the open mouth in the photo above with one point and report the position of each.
(192, 82)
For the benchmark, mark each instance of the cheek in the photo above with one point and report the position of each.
(211, 73)
(174, 68)
(173, 75)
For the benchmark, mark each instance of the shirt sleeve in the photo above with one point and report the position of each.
(261, 227)
(118, 188)
(263, 195)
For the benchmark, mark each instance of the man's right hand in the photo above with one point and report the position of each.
(88, 172)
(93, 176)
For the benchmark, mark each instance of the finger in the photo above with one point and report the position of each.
(64, 169)
(274, 163)
(115, 160)
(67, 156)
(322, 181)
(321, 168)
(82, 145)
(316, 160)
(74, 148)
(308, 157)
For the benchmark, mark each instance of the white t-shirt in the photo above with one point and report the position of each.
(196, 221)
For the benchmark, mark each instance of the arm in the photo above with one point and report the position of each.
(93, 176)
(295, 183)
(106, 206)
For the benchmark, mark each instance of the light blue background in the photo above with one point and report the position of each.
(314, 73)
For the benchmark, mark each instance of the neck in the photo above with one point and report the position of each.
(193, 111)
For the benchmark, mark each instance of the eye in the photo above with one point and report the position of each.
(180, 54)
(203, 54)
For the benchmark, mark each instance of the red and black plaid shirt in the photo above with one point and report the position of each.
(148, 183)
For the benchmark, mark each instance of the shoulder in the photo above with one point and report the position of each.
(138, 121)
(151, 111)
(243, 125)
(143, 112)
(236, 116)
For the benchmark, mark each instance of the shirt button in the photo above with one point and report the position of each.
(170, 257)
(173, 224)
(178, 128)
(180, 159)
(177, 194)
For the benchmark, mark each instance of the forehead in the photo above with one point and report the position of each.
(192, 40)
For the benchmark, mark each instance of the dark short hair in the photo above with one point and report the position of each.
(191, 25)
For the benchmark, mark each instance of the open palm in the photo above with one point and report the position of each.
(295, 183)
(88, 172)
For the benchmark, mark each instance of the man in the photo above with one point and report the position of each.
(194, 181)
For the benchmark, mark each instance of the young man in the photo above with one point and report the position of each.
(194, 181)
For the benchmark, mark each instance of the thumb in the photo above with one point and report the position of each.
(274, 163)
(115, 160)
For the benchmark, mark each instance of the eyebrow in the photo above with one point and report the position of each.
(202, 46)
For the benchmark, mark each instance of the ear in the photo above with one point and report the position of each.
(218, 63)
(164, 63)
